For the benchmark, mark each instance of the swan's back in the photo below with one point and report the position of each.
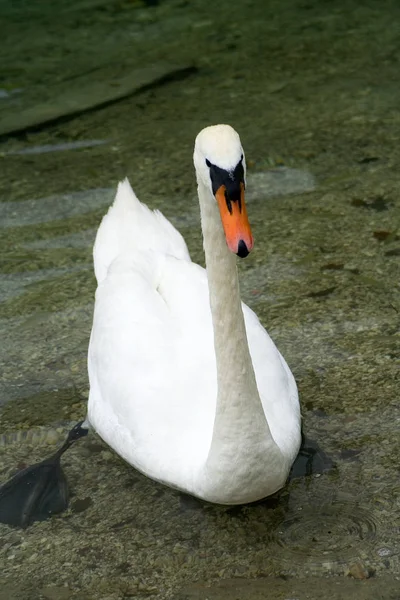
(129, 228)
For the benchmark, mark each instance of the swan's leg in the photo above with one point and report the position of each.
(39, 491)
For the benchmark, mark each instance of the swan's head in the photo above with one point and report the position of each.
(221, 168)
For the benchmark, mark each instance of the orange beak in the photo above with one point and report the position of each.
(235, 222)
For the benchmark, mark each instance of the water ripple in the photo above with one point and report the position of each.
(330, 535)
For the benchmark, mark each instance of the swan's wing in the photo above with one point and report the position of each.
(152, 363)
(129, 227)
(149, 338)
(276, 385)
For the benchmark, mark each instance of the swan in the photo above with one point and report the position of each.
(185, 383)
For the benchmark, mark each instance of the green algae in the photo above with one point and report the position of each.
(21, 260)
(50, 295)
(43, 408)
(52, 229)
(311, 86)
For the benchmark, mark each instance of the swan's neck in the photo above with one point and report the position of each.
(239, 420)
(236, 379)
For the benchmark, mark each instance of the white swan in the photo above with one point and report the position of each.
(185, 383)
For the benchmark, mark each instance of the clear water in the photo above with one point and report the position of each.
(312, 89)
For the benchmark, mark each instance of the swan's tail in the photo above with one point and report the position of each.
(130, 228)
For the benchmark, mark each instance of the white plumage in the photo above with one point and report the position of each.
(172, 385)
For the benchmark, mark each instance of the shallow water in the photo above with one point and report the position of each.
(312, 90)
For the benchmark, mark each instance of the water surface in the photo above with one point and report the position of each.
(312, 90)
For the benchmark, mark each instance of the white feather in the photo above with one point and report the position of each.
(152, 366)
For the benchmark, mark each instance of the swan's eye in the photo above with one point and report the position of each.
(208, 163)
(241, 157)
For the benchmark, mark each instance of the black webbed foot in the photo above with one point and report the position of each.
(310, 460)
(39, 491)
